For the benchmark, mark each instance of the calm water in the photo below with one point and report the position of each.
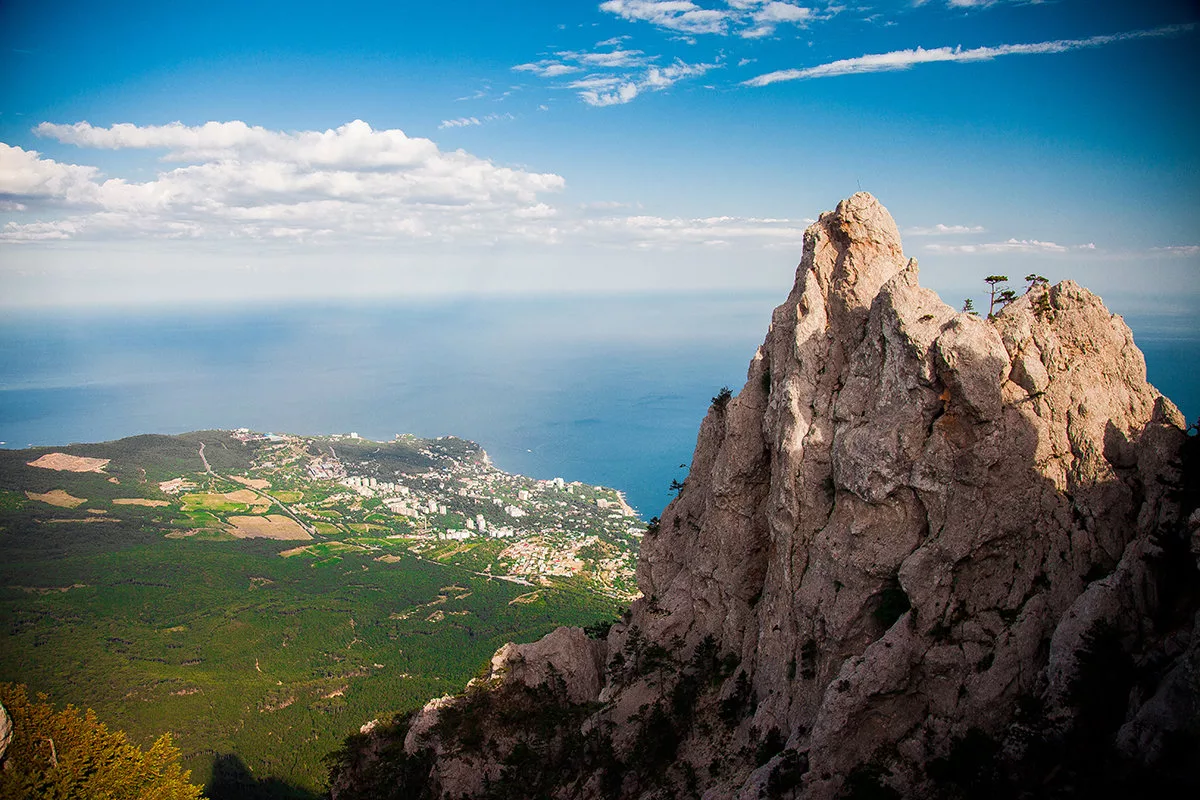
(607, 391)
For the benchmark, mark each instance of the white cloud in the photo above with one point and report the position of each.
(771, 14)
(547, 68)
(608, 92)
(655, 231)
(248, 182)
(38, 231)
(1007, 246)
(904, 59)
(353, 145)
(613, 76)
(461, 122)
(595, 82)
(25, 174)
(621, 94)
(945, 230)
(751, 19)
(1177, 250)
(610, 58)
(470, 122)
(683, 16)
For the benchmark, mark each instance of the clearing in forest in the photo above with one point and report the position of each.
(68, 463)
(57, 497)
(275, 526)
(253, 483)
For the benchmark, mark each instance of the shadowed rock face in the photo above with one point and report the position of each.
(899, 553)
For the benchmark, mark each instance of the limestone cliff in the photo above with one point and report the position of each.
(918, 554)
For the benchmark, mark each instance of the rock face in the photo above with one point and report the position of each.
(919, 553)
(5, 732)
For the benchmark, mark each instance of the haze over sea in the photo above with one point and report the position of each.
(605, 390)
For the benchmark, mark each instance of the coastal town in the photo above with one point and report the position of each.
(442, 499)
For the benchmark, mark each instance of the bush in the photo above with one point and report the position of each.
(722, 399)
(598, 629)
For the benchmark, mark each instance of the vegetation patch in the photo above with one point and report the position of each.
(57, 497)
(209, 501)
(63, 462)
(275, 526)
(139, 501)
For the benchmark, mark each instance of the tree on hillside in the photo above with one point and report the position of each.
(1000, 295)
(71, 754)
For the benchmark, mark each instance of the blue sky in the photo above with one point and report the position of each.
(207, 153)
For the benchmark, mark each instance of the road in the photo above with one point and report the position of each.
(310, 529)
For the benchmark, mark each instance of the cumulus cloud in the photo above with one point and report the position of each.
(751, 19)
(229, 183)
(769, 15)
(945, 230)
(905, 59)
(353, 145)
(234, 180)
(683, 16)
(25, 174)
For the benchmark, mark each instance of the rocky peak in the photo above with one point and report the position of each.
(911, 529)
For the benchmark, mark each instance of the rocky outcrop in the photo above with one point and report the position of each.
(6, 732)
(919, 553)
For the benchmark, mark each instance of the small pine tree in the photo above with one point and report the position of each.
(996, 290)
(1033, 280)
(969, 307)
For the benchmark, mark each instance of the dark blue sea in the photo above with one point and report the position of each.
(604, 390)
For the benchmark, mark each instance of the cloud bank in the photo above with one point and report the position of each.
(228, 182)
(234, 180)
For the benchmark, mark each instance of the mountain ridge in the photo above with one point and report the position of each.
(919, 554)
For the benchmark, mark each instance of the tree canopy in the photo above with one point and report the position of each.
(71, 754)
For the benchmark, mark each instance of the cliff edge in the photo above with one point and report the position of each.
(919, 554)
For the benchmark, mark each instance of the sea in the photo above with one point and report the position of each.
(606, 390)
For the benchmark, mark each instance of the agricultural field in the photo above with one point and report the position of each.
(263, 602)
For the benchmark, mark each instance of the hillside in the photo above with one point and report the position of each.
(919, 554)
(259, 596)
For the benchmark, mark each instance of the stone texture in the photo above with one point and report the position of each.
(6, 731)
(565, 654)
